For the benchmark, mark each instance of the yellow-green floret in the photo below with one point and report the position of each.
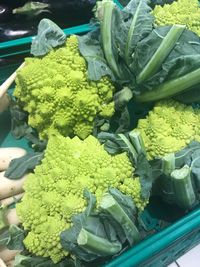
(54, 192)
(169, 127)
(184, 12)
(58, 96)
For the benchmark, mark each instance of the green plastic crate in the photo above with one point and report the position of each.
(159, 249)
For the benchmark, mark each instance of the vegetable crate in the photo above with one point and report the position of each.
(181, 233)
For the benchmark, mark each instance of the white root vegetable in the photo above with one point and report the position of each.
(8, 255)
(4, 87)
(9, 153)
(10, 263)
(10, 200)
(12, 217)
(9, 187)
(2, 263)
(4, 102)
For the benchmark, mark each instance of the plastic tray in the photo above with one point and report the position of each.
(161, 248)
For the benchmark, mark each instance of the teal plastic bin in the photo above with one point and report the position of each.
(163, 246)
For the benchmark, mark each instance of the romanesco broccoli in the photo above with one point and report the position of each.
(54, 192)
(169, 127)
(58, 96)
(184, 12)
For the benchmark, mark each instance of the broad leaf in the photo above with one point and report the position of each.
(117, 143)
(49, 36)
(17, 236)
(91, 50)
(34, 261)
(19, 167)
(136, 23)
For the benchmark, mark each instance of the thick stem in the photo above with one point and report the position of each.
(130, 34)
(110, 205)
(168, 164)
(97, 245)
(137, 141)
(184, 192)
(161, 53)
(122, 97)
(172, 87)
(106, 32)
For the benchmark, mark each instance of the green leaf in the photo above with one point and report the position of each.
(91, 50)
(178, 72)
(17, 236)
(19, 119)
(18, 167)
(4, 238)
(34, 261)
(145, 172)
(49, 36)
(129, 31)
(122, 210)
(118, 143)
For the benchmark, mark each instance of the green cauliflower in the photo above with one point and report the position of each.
(184, 12)
(58, 96)
(54, 192)
(169, 127)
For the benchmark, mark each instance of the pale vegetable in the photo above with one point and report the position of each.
(10, 200)
(8, 255)
(2, 263)
(9, 187)
(10, 263)
(9, 153)
(12, 217)
(4, 87)
(4, 102)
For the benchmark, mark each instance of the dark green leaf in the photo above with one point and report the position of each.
(125, 202)
(49, 36)
(117, 143)
(4, 238)
(34, 261)
(185, 156)
(136, 22)
(17, 236)
(145, 173)
(19, 167)
(183, 58)
(19, 118)
(91, 50)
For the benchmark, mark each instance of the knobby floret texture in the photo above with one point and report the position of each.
(58, 96)
(184, 12)
(169, 127)
(54, 192)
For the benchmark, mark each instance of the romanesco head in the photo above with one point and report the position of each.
(184, 12)
(57, 94)
(54, 192)
(169, 127)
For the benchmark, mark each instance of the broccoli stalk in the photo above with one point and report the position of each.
(161, 53)
(96, 244)
(104, 13)
(122, 97)
(110, 205)
(168, 163)
(172, 87)
(137, 141)
(183, 189)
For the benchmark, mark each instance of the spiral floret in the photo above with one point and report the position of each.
(59, 97)
(168, 128)
(54, 192)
